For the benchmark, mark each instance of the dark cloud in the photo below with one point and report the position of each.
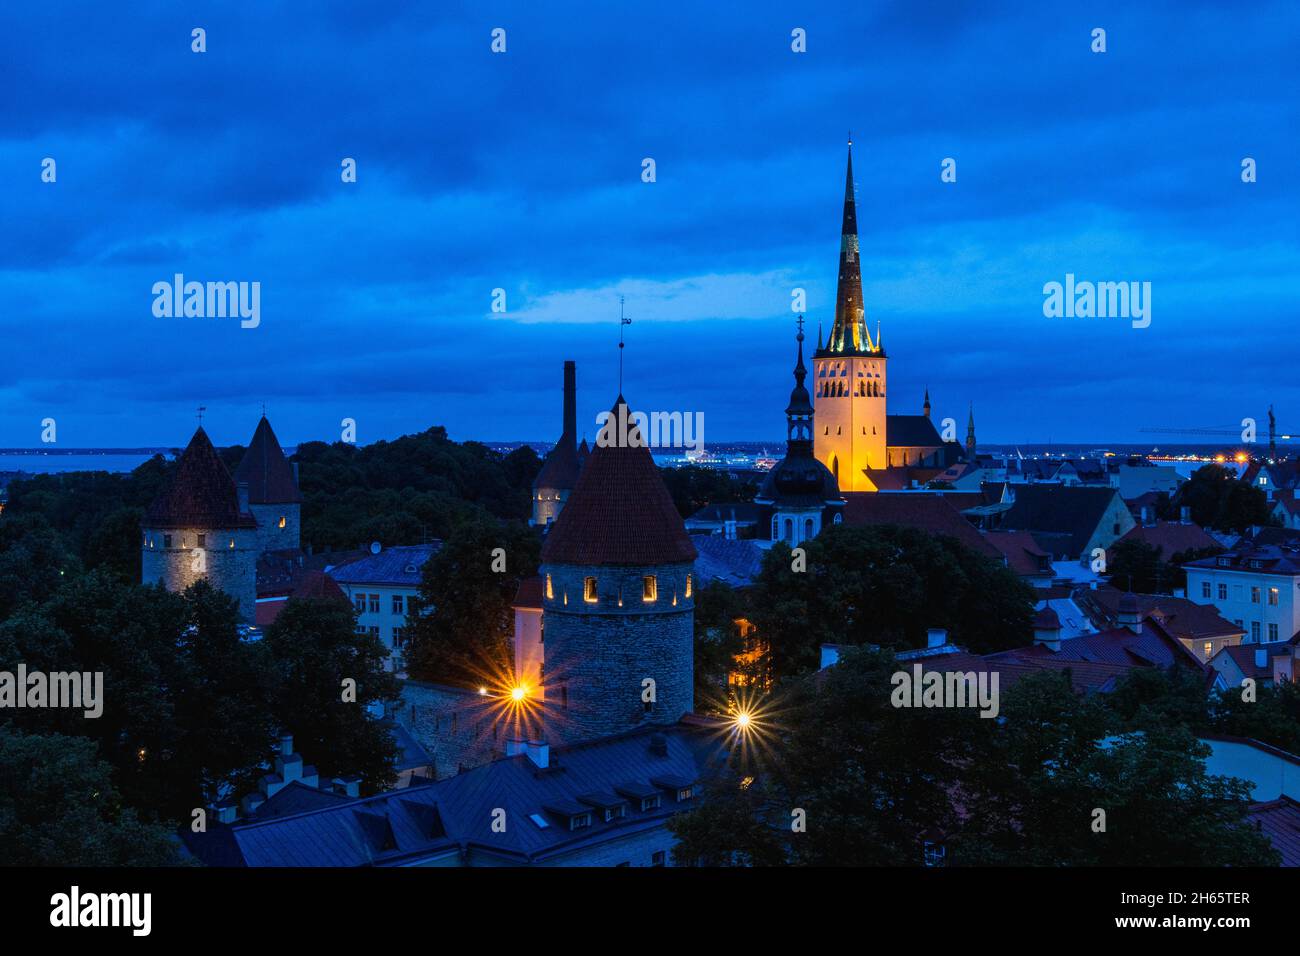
(521, 172)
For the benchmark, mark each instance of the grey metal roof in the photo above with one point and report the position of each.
(398, 565)
(458, 812)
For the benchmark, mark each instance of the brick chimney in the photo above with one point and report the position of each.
(570, 404)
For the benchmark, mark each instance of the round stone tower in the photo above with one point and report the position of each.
(272, 491)
(200, 528)
(617, 599)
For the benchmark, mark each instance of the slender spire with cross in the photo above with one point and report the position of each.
(202, 409)
(622, 321)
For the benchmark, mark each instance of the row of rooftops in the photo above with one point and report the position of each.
(550, 805)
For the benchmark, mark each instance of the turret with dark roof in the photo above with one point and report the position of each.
(272, 490)
(800, 493)
(201, 528)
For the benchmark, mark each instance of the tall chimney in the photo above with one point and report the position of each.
(570, 405)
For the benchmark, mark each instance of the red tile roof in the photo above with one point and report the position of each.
(1184, 619)
(319, 586)
(927, 512)
(201, 495)
(1150, 647)
(1279, 820)
(1022, 552)
(529, 594)
(1171, 537)
(619, 512)
(267, 471)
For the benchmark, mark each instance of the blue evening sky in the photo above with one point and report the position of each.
(522, 171)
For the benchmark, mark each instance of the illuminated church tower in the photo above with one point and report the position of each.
(849, 374)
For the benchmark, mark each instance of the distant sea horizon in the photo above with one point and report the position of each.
(120, 460)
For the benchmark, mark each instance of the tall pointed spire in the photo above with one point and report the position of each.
(799, 413)
(970, 431)
(925, 409)
(849, 332)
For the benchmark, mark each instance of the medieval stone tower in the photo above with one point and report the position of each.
(849, 373)
(200, 528)
(272, 490)
(617, 600)
(559, 472)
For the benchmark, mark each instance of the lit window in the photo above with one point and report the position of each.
(281, 521)
(649, 588)
(688, 585)
(550, 592)
(589, 590)
(1209, 649)
(1272, 596)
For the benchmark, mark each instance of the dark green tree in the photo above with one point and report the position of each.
(461, 632)
(58, 807)
(885, 585)
(315, 648)
(1220, 500)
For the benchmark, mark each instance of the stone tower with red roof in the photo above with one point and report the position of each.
(201, 528)
(273, 495)
(617, 599)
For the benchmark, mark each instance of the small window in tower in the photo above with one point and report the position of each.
(281, 521)
(688, 585)
(167, 541)
(203, 540)
(589, 590)
(649, 588)
(550, 592)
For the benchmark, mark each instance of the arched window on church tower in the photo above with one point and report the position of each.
(789, 530)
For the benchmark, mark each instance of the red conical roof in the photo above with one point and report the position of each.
(620, 511)
(267, 471)
(202, 493)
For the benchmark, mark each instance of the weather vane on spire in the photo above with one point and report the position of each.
(622, 321)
